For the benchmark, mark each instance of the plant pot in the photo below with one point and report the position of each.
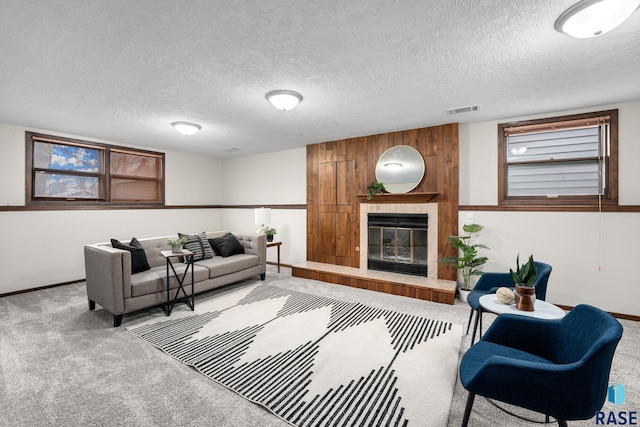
(463, 294)
(176, 249)
(525, 297)
(270, 238)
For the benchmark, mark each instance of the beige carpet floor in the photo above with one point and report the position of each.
(63, 365)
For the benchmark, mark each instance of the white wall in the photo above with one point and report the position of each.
(45, 247)
(290, 224)
(592, 254)
(269, 179)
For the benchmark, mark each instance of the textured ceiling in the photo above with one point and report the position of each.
(123, 70)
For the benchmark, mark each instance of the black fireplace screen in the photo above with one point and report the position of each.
(398, 242)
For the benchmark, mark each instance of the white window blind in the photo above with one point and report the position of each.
(70, 171)
(557, 159)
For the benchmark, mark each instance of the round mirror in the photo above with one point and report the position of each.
(400, 169)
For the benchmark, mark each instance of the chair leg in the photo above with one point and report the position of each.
(475, 327)
(467, 409)
(562, 423)
(469, 322)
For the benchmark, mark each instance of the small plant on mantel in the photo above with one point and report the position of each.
(376, 187)
(467, 260)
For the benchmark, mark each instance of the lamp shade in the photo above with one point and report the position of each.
(262, 216)
(284, 100)
(592, 18)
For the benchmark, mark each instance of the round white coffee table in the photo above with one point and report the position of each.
(541, 309)
(490, 303)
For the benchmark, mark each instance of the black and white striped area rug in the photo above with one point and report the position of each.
(317, 361)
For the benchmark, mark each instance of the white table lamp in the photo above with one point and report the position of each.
(262, 217)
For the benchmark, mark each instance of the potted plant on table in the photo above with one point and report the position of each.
(467, 261)
(525, 280)
(176, 245)
(270, 232)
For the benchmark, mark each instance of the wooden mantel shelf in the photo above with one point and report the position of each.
(418, 197)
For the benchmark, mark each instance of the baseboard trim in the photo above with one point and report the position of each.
(26, 291)
(281, 264)
(616, 315)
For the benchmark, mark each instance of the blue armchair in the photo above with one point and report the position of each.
(559, 368)
(489, 284)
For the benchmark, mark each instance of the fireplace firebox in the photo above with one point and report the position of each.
(398, 243)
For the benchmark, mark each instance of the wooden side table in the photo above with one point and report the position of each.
(168, 255)
(276, 244)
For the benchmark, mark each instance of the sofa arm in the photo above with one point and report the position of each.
(255, 244)
(108, 276)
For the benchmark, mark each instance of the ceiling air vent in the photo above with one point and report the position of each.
(462, 109)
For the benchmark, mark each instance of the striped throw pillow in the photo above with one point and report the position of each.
(199, 245)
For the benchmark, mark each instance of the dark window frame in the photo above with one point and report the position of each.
(562, 202)
(103, 174)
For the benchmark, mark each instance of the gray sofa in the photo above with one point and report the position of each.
(111, 284)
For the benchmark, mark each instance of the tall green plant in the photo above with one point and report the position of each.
(467, 261)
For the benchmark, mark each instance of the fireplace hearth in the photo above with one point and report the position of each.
(398, 243)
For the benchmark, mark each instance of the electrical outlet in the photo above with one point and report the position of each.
(469, 217)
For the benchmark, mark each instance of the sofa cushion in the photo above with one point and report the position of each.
(153, 247)
(219, 266)
(227, 245)
(139, 261)
(198, 244)
(155, 279)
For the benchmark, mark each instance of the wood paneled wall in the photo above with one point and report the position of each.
(339, 171)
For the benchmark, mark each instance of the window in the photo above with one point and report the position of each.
(563, 161)
(63, 171)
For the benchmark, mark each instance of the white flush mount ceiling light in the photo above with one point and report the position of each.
(592, 18)
(186, 128)
(284, 100)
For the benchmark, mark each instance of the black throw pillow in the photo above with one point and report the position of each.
(213, 246)
(227, 245)
(139, 261)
